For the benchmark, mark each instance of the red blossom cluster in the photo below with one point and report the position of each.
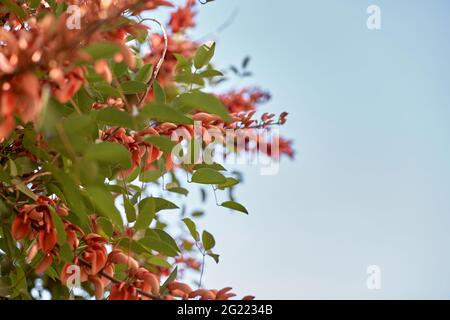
(142, 153)
(96, 265)
(183, 18)
(246, 99)
(40, 46)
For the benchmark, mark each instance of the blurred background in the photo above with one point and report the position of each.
(370, 185)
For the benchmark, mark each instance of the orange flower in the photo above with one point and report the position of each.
(142, 152)
(45, 263)
(183, 18)
(71, 232)
(95, 253)
(23, 100)
(153, 4)
(35, 219)
(68, 85)
(123, 291)
(179, 289)
(203, 294)
(101, 67)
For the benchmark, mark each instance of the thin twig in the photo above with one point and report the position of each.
(36, 175)
(222, 27)
(203, 263)
(160, 62)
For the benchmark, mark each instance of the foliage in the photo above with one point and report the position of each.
(87, 117)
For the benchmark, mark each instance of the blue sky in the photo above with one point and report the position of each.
(370, 185)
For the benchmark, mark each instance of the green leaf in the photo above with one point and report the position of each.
(179, 190)
(190, 78)
(162, 142)
(208, 176)
(51, 272)
(147, 211)
(102, 50)
(204, 54)
(107, 90)
(12, 168)
(114, 117)
(197, 213)
(66, 252)
(159, 262)
(170, 278)
(120, 69)
(25, 165)
(160, 95)
(183, 63)
(71, 192)
(109, 153)
(211, 73)
(163, 204)
(150, 176)
(29, 141)
(18, 282)
(145, 73)
(230, 183)
(214, 256)
(205, 102)
(214, 166)
(159, 245)
(234, 206)
(4, 176)
(19, 185)
(60, 230)
(16, 9)
(192, 228)
(165, 113)
(5, 210)
(132, 245)
(10, 244)
(35, 3)
(5, 286)
(132, 87)
(104, 202)
(129, 209)
(106, 226)
(167, 238)
(208, 240)
(133, 175)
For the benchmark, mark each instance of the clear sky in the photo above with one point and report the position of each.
(370, 185)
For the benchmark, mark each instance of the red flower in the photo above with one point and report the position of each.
(183, 18)
(123, 291)
(68, 85)
(153, 4)
(24, 100)
(35, 220)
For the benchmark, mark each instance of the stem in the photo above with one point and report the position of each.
(202, 271)
(203, 263)
(75, 106)
(158, 65)
(215, 195)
